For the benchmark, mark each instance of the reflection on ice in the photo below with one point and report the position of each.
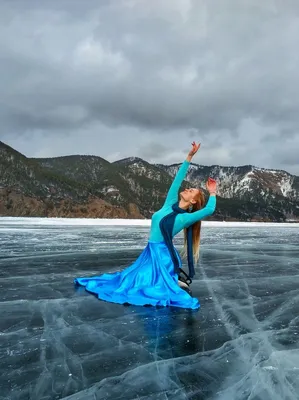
(57, 341)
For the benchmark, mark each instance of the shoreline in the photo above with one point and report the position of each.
(130, 222)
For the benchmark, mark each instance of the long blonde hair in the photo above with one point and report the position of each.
(196, 228)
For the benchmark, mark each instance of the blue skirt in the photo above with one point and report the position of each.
(150, 280)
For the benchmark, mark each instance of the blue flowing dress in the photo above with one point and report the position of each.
(151, 279)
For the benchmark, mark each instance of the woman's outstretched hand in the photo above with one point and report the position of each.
(211, 186)
(193, 151)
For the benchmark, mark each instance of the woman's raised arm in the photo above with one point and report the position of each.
(191, 218)
(172, 196)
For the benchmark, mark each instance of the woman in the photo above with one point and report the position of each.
(153, 279)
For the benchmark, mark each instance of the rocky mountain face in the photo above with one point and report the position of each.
(129, 181)
(32, 187)
(270, 194)
(148, 183)
(89, 186)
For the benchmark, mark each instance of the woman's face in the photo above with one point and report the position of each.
(189, 195)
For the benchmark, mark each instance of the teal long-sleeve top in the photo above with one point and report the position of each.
(182, 220)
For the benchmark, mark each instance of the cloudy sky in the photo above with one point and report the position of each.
(119, 78)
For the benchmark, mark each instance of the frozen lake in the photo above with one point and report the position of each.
(60, 342)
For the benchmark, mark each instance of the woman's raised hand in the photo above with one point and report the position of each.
(194, 150)
(211, 186)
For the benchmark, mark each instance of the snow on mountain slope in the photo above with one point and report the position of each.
(244, 181)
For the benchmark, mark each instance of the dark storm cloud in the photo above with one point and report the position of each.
(153, 150)
(180, 66)
(288, 156)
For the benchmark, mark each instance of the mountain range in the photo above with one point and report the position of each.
(90, 186)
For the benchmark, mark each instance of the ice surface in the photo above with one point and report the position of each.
(59, 342)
